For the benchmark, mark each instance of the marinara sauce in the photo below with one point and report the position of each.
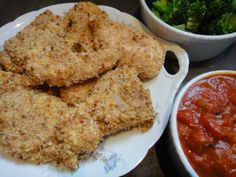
(207, 125)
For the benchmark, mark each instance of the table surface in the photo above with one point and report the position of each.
(157, 162)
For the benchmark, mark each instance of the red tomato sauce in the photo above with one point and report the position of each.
(207, 125)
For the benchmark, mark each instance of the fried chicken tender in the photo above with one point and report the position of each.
(40, 128)
(78, 134)
(117, 101)
(77, 94)
(7, 64)
(81, 135)
(12, 81)
(79, 33)
(139, 49)
(36, 40)
(71, 52)
(28, 119)
(85, 43)
(41, 52)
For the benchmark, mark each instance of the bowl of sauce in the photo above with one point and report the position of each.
(203, 125)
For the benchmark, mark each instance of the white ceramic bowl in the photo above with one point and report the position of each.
(199, 47)
(175, 149)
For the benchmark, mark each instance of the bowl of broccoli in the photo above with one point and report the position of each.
(204, 28)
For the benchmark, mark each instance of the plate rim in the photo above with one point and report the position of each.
(163, 42)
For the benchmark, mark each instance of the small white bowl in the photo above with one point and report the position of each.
(175, 148)
(199, 47)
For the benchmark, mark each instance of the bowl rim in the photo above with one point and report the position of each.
(180, 32)
(173, 119)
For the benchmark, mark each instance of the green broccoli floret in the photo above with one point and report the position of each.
(223, 25)
(227, 23)
(179, 12)
(216, 8)
(196, 13)
(233, 5)
(163, 7)
(198, 16)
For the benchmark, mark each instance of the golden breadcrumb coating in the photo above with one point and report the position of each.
(85, 43)
(79, 33)
(36, 39)
(70, 53)
(10, 81)
(140, 50)
(77, 134)
(79, 131)
(40, 128)
(41, 51)
(117, 100)
(6, 62)
(76, 94)
(28, 119)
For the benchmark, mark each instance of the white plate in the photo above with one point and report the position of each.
(118, 154)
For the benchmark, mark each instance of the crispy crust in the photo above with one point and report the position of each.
(35, 39)
(64, 51)
(117, 100)
(27, 124)
(8, 64)
(77, 24)
(140, 50)
(76, 94)
(44, 52)
(79, 131)
(40, 128)
(10, 81)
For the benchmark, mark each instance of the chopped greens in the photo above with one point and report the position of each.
(210, 17)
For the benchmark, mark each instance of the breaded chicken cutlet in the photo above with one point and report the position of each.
(117, 101)
(77, 94)
(140, 50)
(77, 24)
(10, 81)
(71, 53)
(85, 43)
(41, 52)
(40, 128)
